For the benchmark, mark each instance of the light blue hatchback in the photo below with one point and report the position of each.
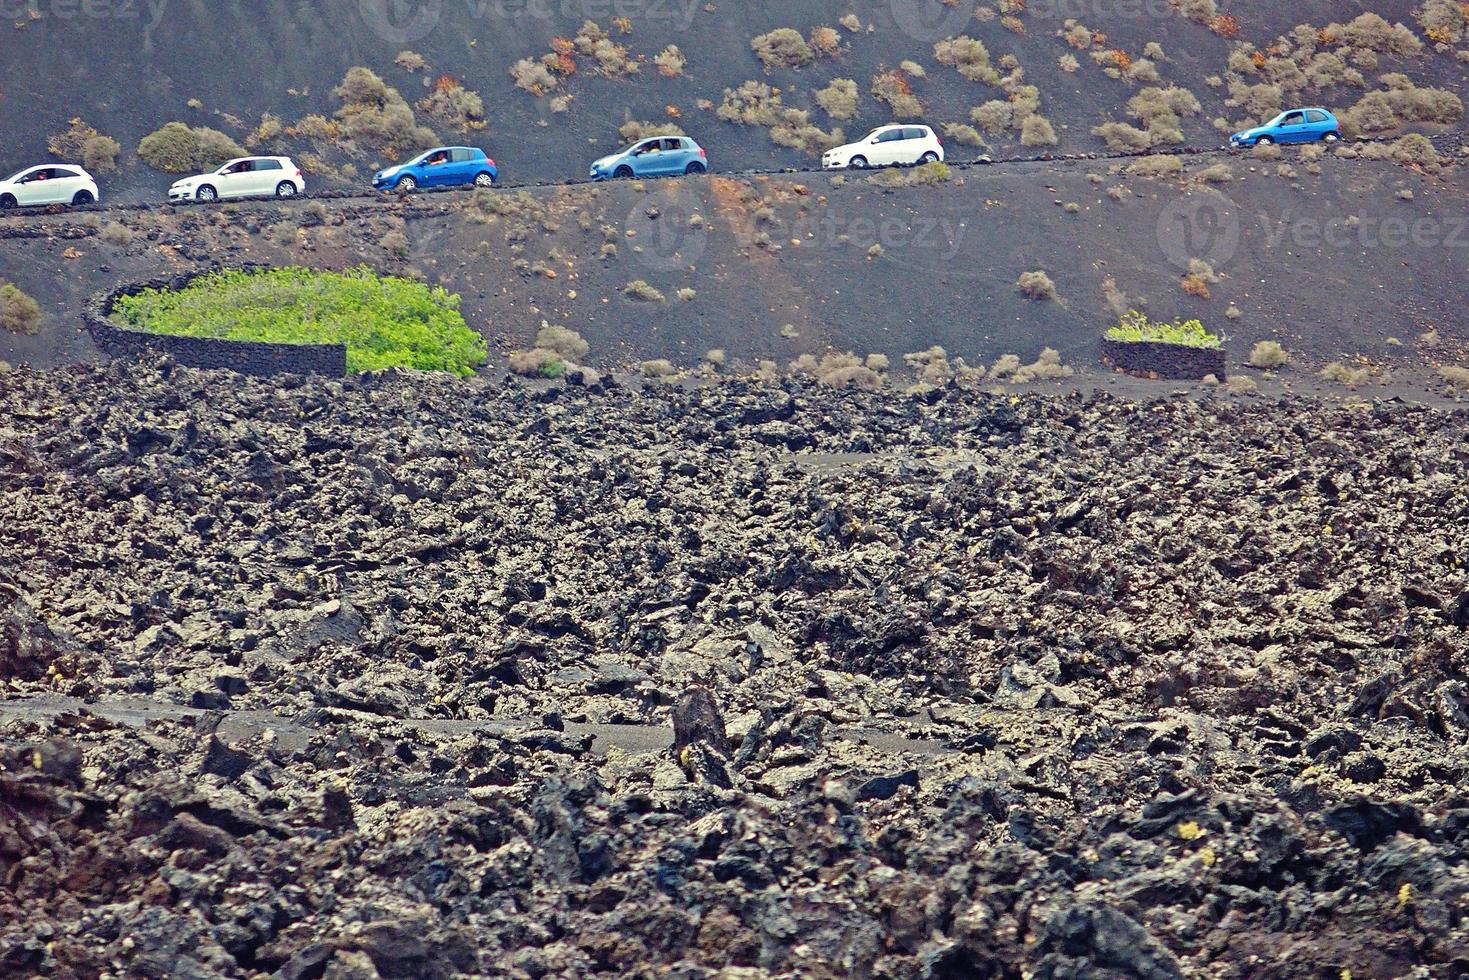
(657, 156)
(1310, 125)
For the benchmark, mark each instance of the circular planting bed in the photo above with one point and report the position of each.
(293, 320)
(1174, 351)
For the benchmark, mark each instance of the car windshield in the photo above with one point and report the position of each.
(1277, 120)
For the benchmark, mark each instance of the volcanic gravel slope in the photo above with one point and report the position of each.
(1035, 686)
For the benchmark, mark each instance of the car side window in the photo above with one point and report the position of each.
(41, 174)
(890, 136)
(243, 167)
(461, 156)
(60, 173)
(1293, 119)
(267, 165)
(673, 144)
(650, 147)
(1316, 116)
(913, 134)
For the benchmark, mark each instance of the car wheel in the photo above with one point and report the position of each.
(1331, 137)
(207, 193)
(694, 168)
(82, 199)
(1264, 141)
(6, 202)
(407, 185)
(929, 157)
(484, 180)
(858, 163)
(285, 189)
(623, 172)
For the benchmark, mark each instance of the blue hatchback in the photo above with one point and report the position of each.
(1311, 125)
(444, 166)
(657, 156)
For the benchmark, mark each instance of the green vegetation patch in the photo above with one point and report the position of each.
(1136, 328)
(385, 321)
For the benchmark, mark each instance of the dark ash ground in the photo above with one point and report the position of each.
(375, 678)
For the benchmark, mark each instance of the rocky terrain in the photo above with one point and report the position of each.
(408, 677)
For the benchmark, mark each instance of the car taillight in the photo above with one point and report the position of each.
(298, 173)
(492, 162)
(702, 153)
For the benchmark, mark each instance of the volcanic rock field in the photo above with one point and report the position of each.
(400, 676)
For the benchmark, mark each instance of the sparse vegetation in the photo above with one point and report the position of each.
(410, 61)
(670, 62)
(657, 368)
(1036, 285)
(18, 312)
(116, 234)
(1268, 354)
(384, 321)
(1345, 374)
(1456, 377)
(642, 292)
(1157, 165)
(783, 47)
(1135, 327)
(839, 98)
(97, 153)
(375, 116)
(177, 148)
(894, 88)
(967, 56)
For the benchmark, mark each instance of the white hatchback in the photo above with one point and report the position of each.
(887, 146)
(49, 184)
(245, 177)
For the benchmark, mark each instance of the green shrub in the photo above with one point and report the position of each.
(1136, 328)
(783, 47)
(383, 320)
(1268, 354)
(538, 362)
(839, 99)
(968, 57)
(18, 312)
(178, 149)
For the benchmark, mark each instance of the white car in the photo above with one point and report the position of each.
(50, 184)
(887, 146)
(245, 177)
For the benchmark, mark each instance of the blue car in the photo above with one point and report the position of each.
(444, 166)
(1311, 125)
(657, 156)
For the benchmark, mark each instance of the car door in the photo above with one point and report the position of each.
(34, 187)
(1292, 128)
(65, 182)
(465, 165)
(644, 158)
(437, 170)
(232, 180)
(267, 174)
(1317, 124)
(676, 156)
(890, 147)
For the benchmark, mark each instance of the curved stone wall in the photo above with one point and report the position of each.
(243, 356)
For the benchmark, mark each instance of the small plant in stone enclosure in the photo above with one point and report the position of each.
(1036, 285)
(1135, 327)
(1268, 354)
(18, 312)
(1456, 377)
